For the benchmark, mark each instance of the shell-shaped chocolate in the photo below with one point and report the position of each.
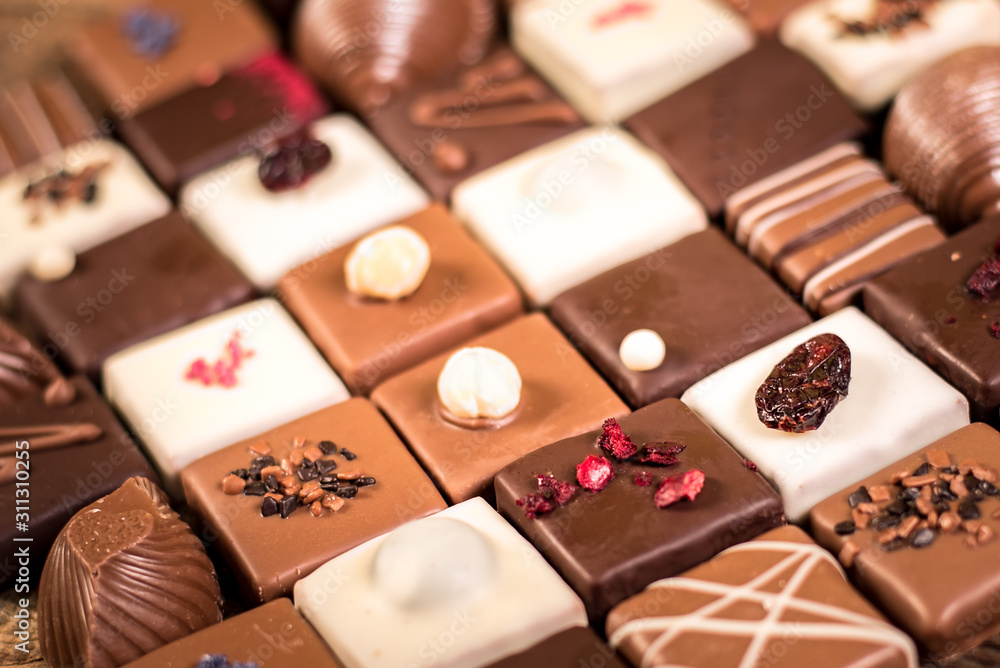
(364, 50)
(25, 371)
(124, 577)
(942, 137)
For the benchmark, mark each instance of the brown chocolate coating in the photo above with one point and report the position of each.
(268, 555)
(934, 593)
(766, 15)
(941, 136)
(925, 305)
(824, 624)
(123, 578)
(734, 127)
(450, 129)
(151, 280)
(560, 396)
(610, 544)
(273, 635)
(365, 51)
(578, 647)
(706, 300)
(66, 475)
(25, 371)
(366, 340)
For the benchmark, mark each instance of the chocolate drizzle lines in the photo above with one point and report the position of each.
(891, 17)
(41, 438)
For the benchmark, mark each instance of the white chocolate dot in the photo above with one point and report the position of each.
(642, 350)
(479, 383)
(53, 263)
(388, 264)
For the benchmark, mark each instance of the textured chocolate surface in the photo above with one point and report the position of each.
(242, 112)
(706, 300)
(25, 371)
(259, 549)
(940, 138)
(575, 648)
(77, 468)
(924, 303)
(211, 39)
(560, 396)
(273, 635)
(448, 130)
(151, 280)
(936, 592)
(464, 293)
(125, 576)
(725, 613)
(610, 544)
(364, 51)
(734, 127)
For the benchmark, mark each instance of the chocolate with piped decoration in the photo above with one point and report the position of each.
(933, 588)
(25, 371)
(560, 396)
(124, 577)
(136, 56)
(449, 129)
(146, 282)
(367, 340)
(778, 600)
(706, 300)
(402, 43)
(354, 457)
(78, 453)
(610, 544)
(735, 126)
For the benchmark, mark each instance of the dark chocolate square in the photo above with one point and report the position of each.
(146, 282)
(923, 302)
(707, 301)
(610, 544)
(734, 126)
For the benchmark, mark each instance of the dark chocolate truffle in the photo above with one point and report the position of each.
(124, 577)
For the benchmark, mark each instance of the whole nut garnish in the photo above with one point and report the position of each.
(479, 383)
(389, 264)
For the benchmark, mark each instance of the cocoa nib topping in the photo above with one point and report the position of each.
(292, 161)
(305, 478)
(803, 388)
(917, 506)
(890, 17)
(63, 187)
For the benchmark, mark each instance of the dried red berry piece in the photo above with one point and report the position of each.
(751, 466)
(551, 487)
(643, 479)
(594, 473)
(535, 505)
(292, 161)
(804, 387)
(663, 453)
(995, 329)
(679, 486)
(985, 278)
(614, 440)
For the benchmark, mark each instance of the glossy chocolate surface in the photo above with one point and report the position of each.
(151, 280)
(707, 301)
(610, 544)
(25, 371)
(579, 647)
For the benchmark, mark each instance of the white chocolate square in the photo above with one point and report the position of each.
(566, 211)
(459, 588)
(612, 58)
(894, 406)
(125, 199)
(870, 69)
(265, 234)
(178, 420)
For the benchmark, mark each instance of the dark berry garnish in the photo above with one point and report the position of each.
(292, 162)
(751, 466)
(535, 505)
(985, 278)
(643, 479)
(804, 387)
(659, 454)
(594, 473)
(557, 490)
(680, 486)
(614, 440)
(995, 329)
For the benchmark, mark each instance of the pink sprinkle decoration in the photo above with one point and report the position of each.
(223, 370)
(622, 13)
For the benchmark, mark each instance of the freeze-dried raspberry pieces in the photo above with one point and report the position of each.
(614, 440)
(985, 278)
(680, 486)
(594, 473)
(663, 453)
(535, 505)
(643, 479)
(804, 387)
(551, 487)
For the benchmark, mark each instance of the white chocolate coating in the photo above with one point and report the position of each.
(895, 405)
(479, 383)
(611, 58)
(266, 234)
(569, 210)
(642, 350)
(489, 594)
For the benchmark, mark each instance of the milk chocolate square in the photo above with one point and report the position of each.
(578, 647)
